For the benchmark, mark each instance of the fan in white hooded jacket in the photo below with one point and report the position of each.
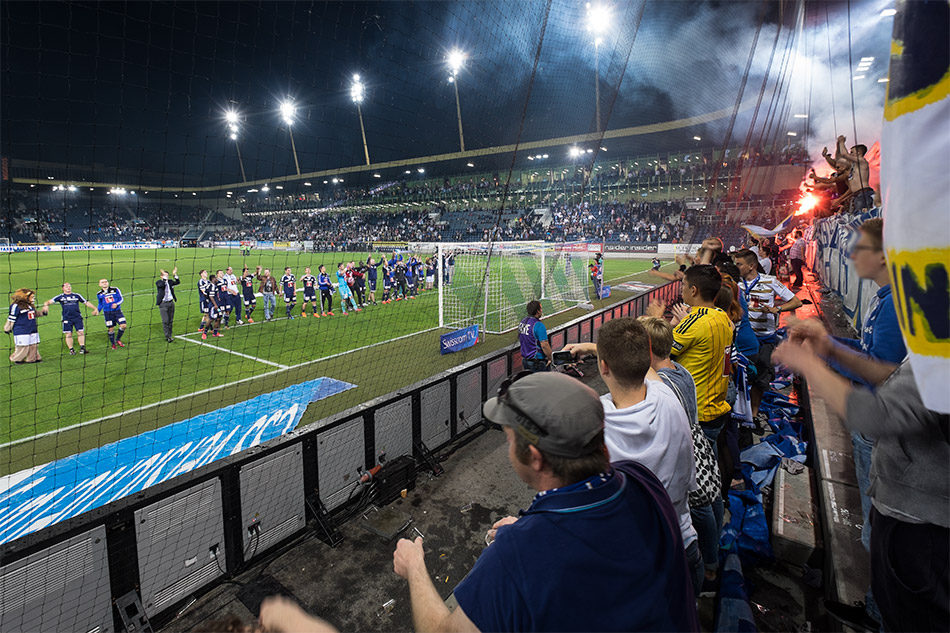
(655, 432)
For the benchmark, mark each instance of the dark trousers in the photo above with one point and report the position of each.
(797, 271)
(236, 303)
(910, 574)
(326, 300)
(167, 310)
(535, 364)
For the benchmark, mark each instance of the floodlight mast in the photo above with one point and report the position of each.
(288, 112)
(598, 20)
(358, 93)
(455, 61)
(232, 118)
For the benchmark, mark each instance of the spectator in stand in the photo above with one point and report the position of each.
(910, 478)
(706, 506)
(859, 178)
(701, 341)
(760, 292)
(644, 422)
(796, 255)
(880, 339)
(569, 562)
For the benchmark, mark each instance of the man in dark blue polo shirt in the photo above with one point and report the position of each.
(599, 549)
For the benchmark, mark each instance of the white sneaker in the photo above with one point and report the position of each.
(240, 322)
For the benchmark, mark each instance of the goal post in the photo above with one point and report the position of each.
(489, 283)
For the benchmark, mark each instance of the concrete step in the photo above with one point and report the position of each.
(794, 528)
(849, 571)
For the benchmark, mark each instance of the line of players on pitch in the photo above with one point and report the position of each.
(223, 293)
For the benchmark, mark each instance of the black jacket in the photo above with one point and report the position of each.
(160, 285)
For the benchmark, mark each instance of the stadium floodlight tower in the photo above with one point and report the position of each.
(288, 112)
(232, 118)
(455, 61)
(357, 94)
(598, 21)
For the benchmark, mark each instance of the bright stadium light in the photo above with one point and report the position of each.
(469, 164)
(287, 113)
(455, 61)
(697, 138)
(574, 152)
(598, 21)
(357, 94)
(888, 13)
(233, 118)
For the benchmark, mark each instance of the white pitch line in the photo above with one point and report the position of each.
(231, 351)
(209, 389)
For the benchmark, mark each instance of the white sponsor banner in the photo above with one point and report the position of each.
(92, 246)
(676, 249)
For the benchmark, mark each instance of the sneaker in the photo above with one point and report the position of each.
(82, 350)
(331, 314)
(113, 347)
(250, 320)
(72, 352)
(291, 317)
(240, 322)
(854, 616)
(324, 314)
(218, 335)
(204, 336)
(303, 315)
(120, 343)
(346, 314)
(359, 309)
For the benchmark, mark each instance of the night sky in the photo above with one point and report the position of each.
(144, 85)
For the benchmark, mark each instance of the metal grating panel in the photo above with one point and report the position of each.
(272, 497)
(598, 321)
(340, 455)
(175, 537)
(469, 398)
(557, 341)
(517, 362)
(585, 331)
(436, 415)
(393, 430)
(61, 588)
(497, 372)
(571, 334)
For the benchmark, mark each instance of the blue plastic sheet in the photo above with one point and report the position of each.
(735, 614)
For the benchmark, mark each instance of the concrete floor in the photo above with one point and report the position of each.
(348, 585)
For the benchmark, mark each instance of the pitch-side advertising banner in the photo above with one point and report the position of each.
(458, 340)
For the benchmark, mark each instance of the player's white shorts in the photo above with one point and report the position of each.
(26, 339)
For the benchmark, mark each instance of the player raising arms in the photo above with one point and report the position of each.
(344, 289)
(206, 297)
(110, 305)
(216, 293)
(309, 293)
(247, 288)
(234, 295)
(72, 317)
(289, 285)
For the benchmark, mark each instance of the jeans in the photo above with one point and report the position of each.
(270, 304)
(910, 574)
(707, 520)
(695, 561)
(797, 271)
(536, 364)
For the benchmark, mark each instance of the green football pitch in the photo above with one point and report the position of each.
(67, 404)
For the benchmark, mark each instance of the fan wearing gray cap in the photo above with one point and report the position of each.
(598, 549)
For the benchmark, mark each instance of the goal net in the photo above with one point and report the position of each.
(489, 283)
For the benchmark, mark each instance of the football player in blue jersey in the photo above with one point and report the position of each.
(72, 317)
(110, 305)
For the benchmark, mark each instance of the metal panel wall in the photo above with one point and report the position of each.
(436, 415)
(272, 498)
(468, 390)
(340, 456)
(558, 340)
(393, 430)
(497, 372)
(585, 331)
(61, 588)
(175, 537)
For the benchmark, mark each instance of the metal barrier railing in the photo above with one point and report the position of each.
(149, 552)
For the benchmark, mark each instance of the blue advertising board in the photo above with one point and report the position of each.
(458, 340)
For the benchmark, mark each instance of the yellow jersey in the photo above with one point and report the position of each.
(702, 343)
